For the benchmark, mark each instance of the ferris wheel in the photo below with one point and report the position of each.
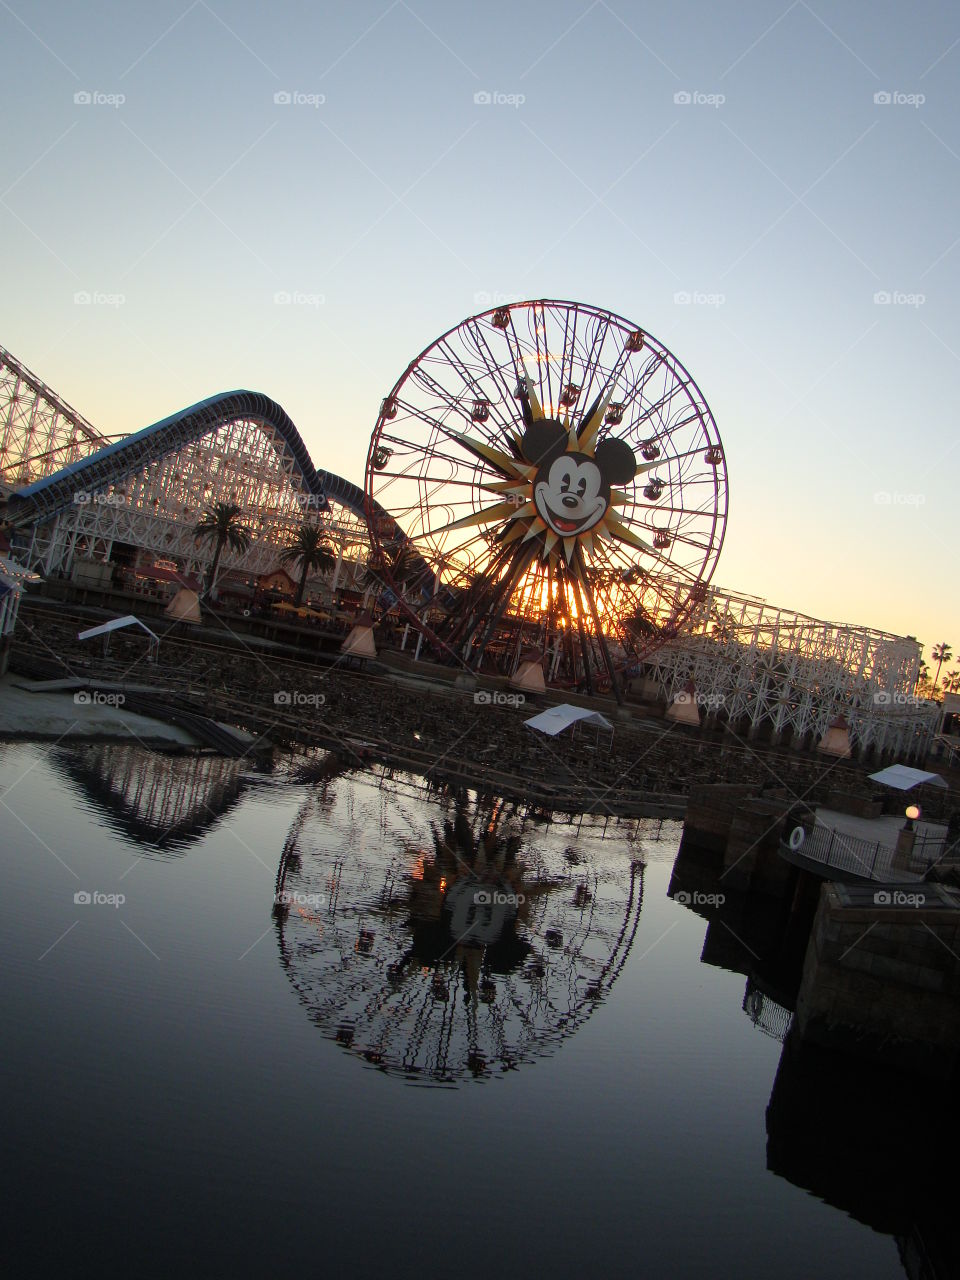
(559, 482)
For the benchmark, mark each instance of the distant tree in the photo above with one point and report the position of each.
(941, 653)
(308, 545)
(221, 524)
(951, 682)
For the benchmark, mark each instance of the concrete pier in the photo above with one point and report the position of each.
(882, 975)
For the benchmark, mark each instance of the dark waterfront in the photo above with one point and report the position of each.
(384, 1073)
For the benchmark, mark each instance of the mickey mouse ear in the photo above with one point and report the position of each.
(543, 441)
(616, 461)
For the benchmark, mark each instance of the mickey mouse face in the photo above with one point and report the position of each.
(571, 490)
(570, 494)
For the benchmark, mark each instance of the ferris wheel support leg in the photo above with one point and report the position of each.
(584, 650)
(584, 647)
(502, 599)
(607, 660)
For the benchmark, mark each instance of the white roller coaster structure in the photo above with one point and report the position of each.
(787, 676)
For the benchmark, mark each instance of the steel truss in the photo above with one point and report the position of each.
(39, 432)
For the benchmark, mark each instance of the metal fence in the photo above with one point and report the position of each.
(868, 859)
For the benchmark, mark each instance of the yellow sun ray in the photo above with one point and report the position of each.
(617, 529)
(489, 515)
(535, 409)
(504, 463)
(514, 532)
(644, 467)
(510, 486)
(588, 437)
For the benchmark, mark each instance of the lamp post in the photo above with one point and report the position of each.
(906, 839)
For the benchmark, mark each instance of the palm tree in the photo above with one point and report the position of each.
(951, 682)
(923, 677)
(398, 562)
(315, 555)
(941, 653)
(221, 524)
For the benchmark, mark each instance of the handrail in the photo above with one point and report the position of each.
(869, 859)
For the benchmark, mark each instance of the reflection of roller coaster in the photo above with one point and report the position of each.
(451, 952)
(165, 803)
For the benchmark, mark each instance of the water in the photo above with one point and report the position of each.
(197, 1083)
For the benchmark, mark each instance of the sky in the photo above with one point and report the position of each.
(298, 198)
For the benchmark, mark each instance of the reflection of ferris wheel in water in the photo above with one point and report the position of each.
(560, 482)
(464, 954)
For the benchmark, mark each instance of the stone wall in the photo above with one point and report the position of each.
(882, 972)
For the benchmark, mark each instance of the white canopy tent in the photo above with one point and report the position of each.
(555, 719)
(106, 628)
(903, 777)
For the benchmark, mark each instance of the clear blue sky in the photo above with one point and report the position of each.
(782, 198)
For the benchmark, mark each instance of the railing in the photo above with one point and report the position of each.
(766, 1014)
(868, 859)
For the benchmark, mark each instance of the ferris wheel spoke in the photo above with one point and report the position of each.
(494, 369)
(591, 359)
(484, 401)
